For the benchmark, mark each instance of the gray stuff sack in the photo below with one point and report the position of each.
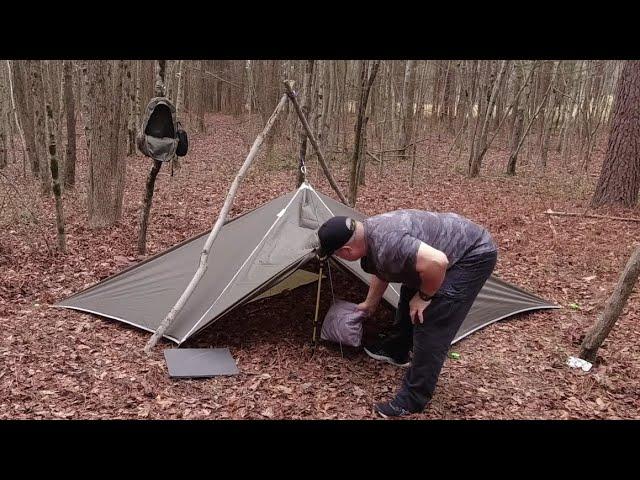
(343, 324)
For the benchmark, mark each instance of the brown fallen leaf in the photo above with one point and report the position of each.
(284, 389)
(144, 412)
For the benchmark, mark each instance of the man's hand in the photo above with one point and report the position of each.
(376, 290)
(416, 307)
(368, 307)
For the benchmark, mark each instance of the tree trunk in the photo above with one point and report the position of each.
(549, 78)
(12, 151)
(517, 127)
(515, 146)
(160, 83)
(267, 100)
(57, 101)
(479, 145)
(448, 95)
(24, 104)
(325, 89)
(50, 127)
(201, 127)
(3, 143)
(180, 89)
(134, 88)
(151, 178)
(14, 107)
(408, 91)
(5, 119)
(70, 110)
(136, 110)
(518, 140)
(118, 136)
(435, 97)
(248, 87)
(613, 308)
(366, 80)
(175, 162)
(306, 96)
(620, 176)
(85, 96)
(146, 207)
(106, 165)
(37, 92)
(362, 161)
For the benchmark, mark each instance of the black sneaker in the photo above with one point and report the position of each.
(379, 353)
(390, 409)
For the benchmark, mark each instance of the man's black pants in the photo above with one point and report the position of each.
(442, 320)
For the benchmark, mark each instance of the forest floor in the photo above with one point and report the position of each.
(58, 363)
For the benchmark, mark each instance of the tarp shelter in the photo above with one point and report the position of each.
(252, 254)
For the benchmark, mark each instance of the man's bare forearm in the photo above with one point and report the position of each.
(376, 290)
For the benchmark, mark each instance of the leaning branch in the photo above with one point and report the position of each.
(589, 215)
(289, 87)
(377, 159)
(204, 256)
(415, 142)
(217, 77)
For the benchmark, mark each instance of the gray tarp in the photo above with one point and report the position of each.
(253, 253)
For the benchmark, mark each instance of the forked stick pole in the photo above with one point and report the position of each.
(204, 256)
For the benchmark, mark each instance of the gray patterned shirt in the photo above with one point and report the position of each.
(393, 240)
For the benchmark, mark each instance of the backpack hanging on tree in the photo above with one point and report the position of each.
(183, 141)
(157, 137)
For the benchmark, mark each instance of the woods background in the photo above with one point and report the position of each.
(500, 142)
(364, 114)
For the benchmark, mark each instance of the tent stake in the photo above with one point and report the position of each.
(204, 256)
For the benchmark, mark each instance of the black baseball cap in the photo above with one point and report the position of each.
(334, 234)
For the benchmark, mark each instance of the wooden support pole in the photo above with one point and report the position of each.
(288, 84)
(159, 90)
(613, 308)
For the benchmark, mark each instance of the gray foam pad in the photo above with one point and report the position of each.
(200, 362)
